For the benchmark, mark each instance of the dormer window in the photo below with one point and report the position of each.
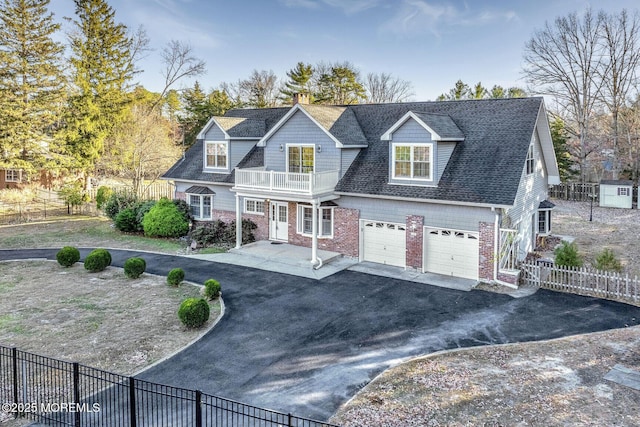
(216, 154)
(413, 161)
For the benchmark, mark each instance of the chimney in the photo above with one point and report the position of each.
(300, 98)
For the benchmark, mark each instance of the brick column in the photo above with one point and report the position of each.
(487, 252)
(414, 241)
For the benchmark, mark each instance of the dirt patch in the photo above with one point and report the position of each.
(103, 320)
(616, 229)
(554, 383)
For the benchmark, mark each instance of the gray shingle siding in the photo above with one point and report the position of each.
(214, 134)
(464, 218)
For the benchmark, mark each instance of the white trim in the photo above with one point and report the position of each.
(547, 214)
(388, 135)
(548, 153)
(207, 168)
(300, 218)
(190, 181)
(202, 134)
(287, 146)
(17, 172)
(201, 207)
(286, 117)
(412, 145)
(256, 212)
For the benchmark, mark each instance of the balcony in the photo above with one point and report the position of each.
(308, 184)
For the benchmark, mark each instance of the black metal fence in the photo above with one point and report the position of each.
(57, 393)
(39, 209)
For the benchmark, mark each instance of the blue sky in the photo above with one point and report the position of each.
(431, 43)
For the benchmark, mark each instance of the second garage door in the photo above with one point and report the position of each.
(451, 252)
(384, 243)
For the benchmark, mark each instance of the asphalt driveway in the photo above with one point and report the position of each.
(306, 346)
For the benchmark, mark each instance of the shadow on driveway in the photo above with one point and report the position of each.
(306, 346)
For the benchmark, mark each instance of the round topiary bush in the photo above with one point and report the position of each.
(211, 289)
(126, 220)
(134, 267)
(68, 256)
(164, 220)
(194, 312)
(175, 276)
(97, 260)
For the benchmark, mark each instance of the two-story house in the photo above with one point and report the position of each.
(456, 188)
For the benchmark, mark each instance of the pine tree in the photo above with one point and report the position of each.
(31, 84)
(102, 70)
(299, 82)
(198, 108)
(340, 86)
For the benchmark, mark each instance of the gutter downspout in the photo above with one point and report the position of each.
(496, 242)
(315, 261)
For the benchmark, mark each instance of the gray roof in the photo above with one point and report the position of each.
(442, 124)
(198, 189)
(190, 166)
(339, 122)
(484, 168)
(240, 127)
(546, 204)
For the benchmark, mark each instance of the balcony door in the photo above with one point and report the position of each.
(279, 221)
(301, 158)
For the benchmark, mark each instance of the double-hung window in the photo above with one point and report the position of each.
(412, 161)
(301, 158)
(325, 221)
(200, 206)
(254, 206)
(544, 221)
(531, 165)
(216, 154)
(12, 175)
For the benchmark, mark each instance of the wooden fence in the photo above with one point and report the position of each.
(576, 191)
(153, 191)
(583, 281)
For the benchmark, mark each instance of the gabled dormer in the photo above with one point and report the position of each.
(227, 140)
(420, 146)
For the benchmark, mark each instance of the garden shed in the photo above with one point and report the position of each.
(616, 194)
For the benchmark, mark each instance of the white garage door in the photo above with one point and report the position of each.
(451, 252)
(384, 243)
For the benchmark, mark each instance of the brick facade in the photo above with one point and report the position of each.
(487, 253)
(346, 232)
(414, 241)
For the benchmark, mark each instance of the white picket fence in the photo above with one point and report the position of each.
(583, 281)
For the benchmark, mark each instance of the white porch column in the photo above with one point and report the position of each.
(238, 222)
(314, 232)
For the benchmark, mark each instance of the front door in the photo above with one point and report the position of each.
(278, 223)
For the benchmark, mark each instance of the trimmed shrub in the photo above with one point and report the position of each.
(97, 260)
(134, 267)
(141, 211)
(67, 256)
(209, 234)
(126, 220)
(194, 312)
(183, 208)
(118, 201)
(164, 220)
(567, 255)
(102, 196)
(175, 276)
(607, 260)
(211, 289)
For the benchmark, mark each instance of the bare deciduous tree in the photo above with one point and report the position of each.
(384, 87)
(260, 89)
(564, 60)
(622, 55)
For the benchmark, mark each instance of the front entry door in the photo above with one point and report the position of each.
(279, 221)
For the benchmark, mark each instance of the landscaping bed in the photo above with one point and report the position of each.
(104, 320)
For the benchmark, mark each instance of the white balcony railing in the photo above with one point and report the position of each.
(286, 182)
